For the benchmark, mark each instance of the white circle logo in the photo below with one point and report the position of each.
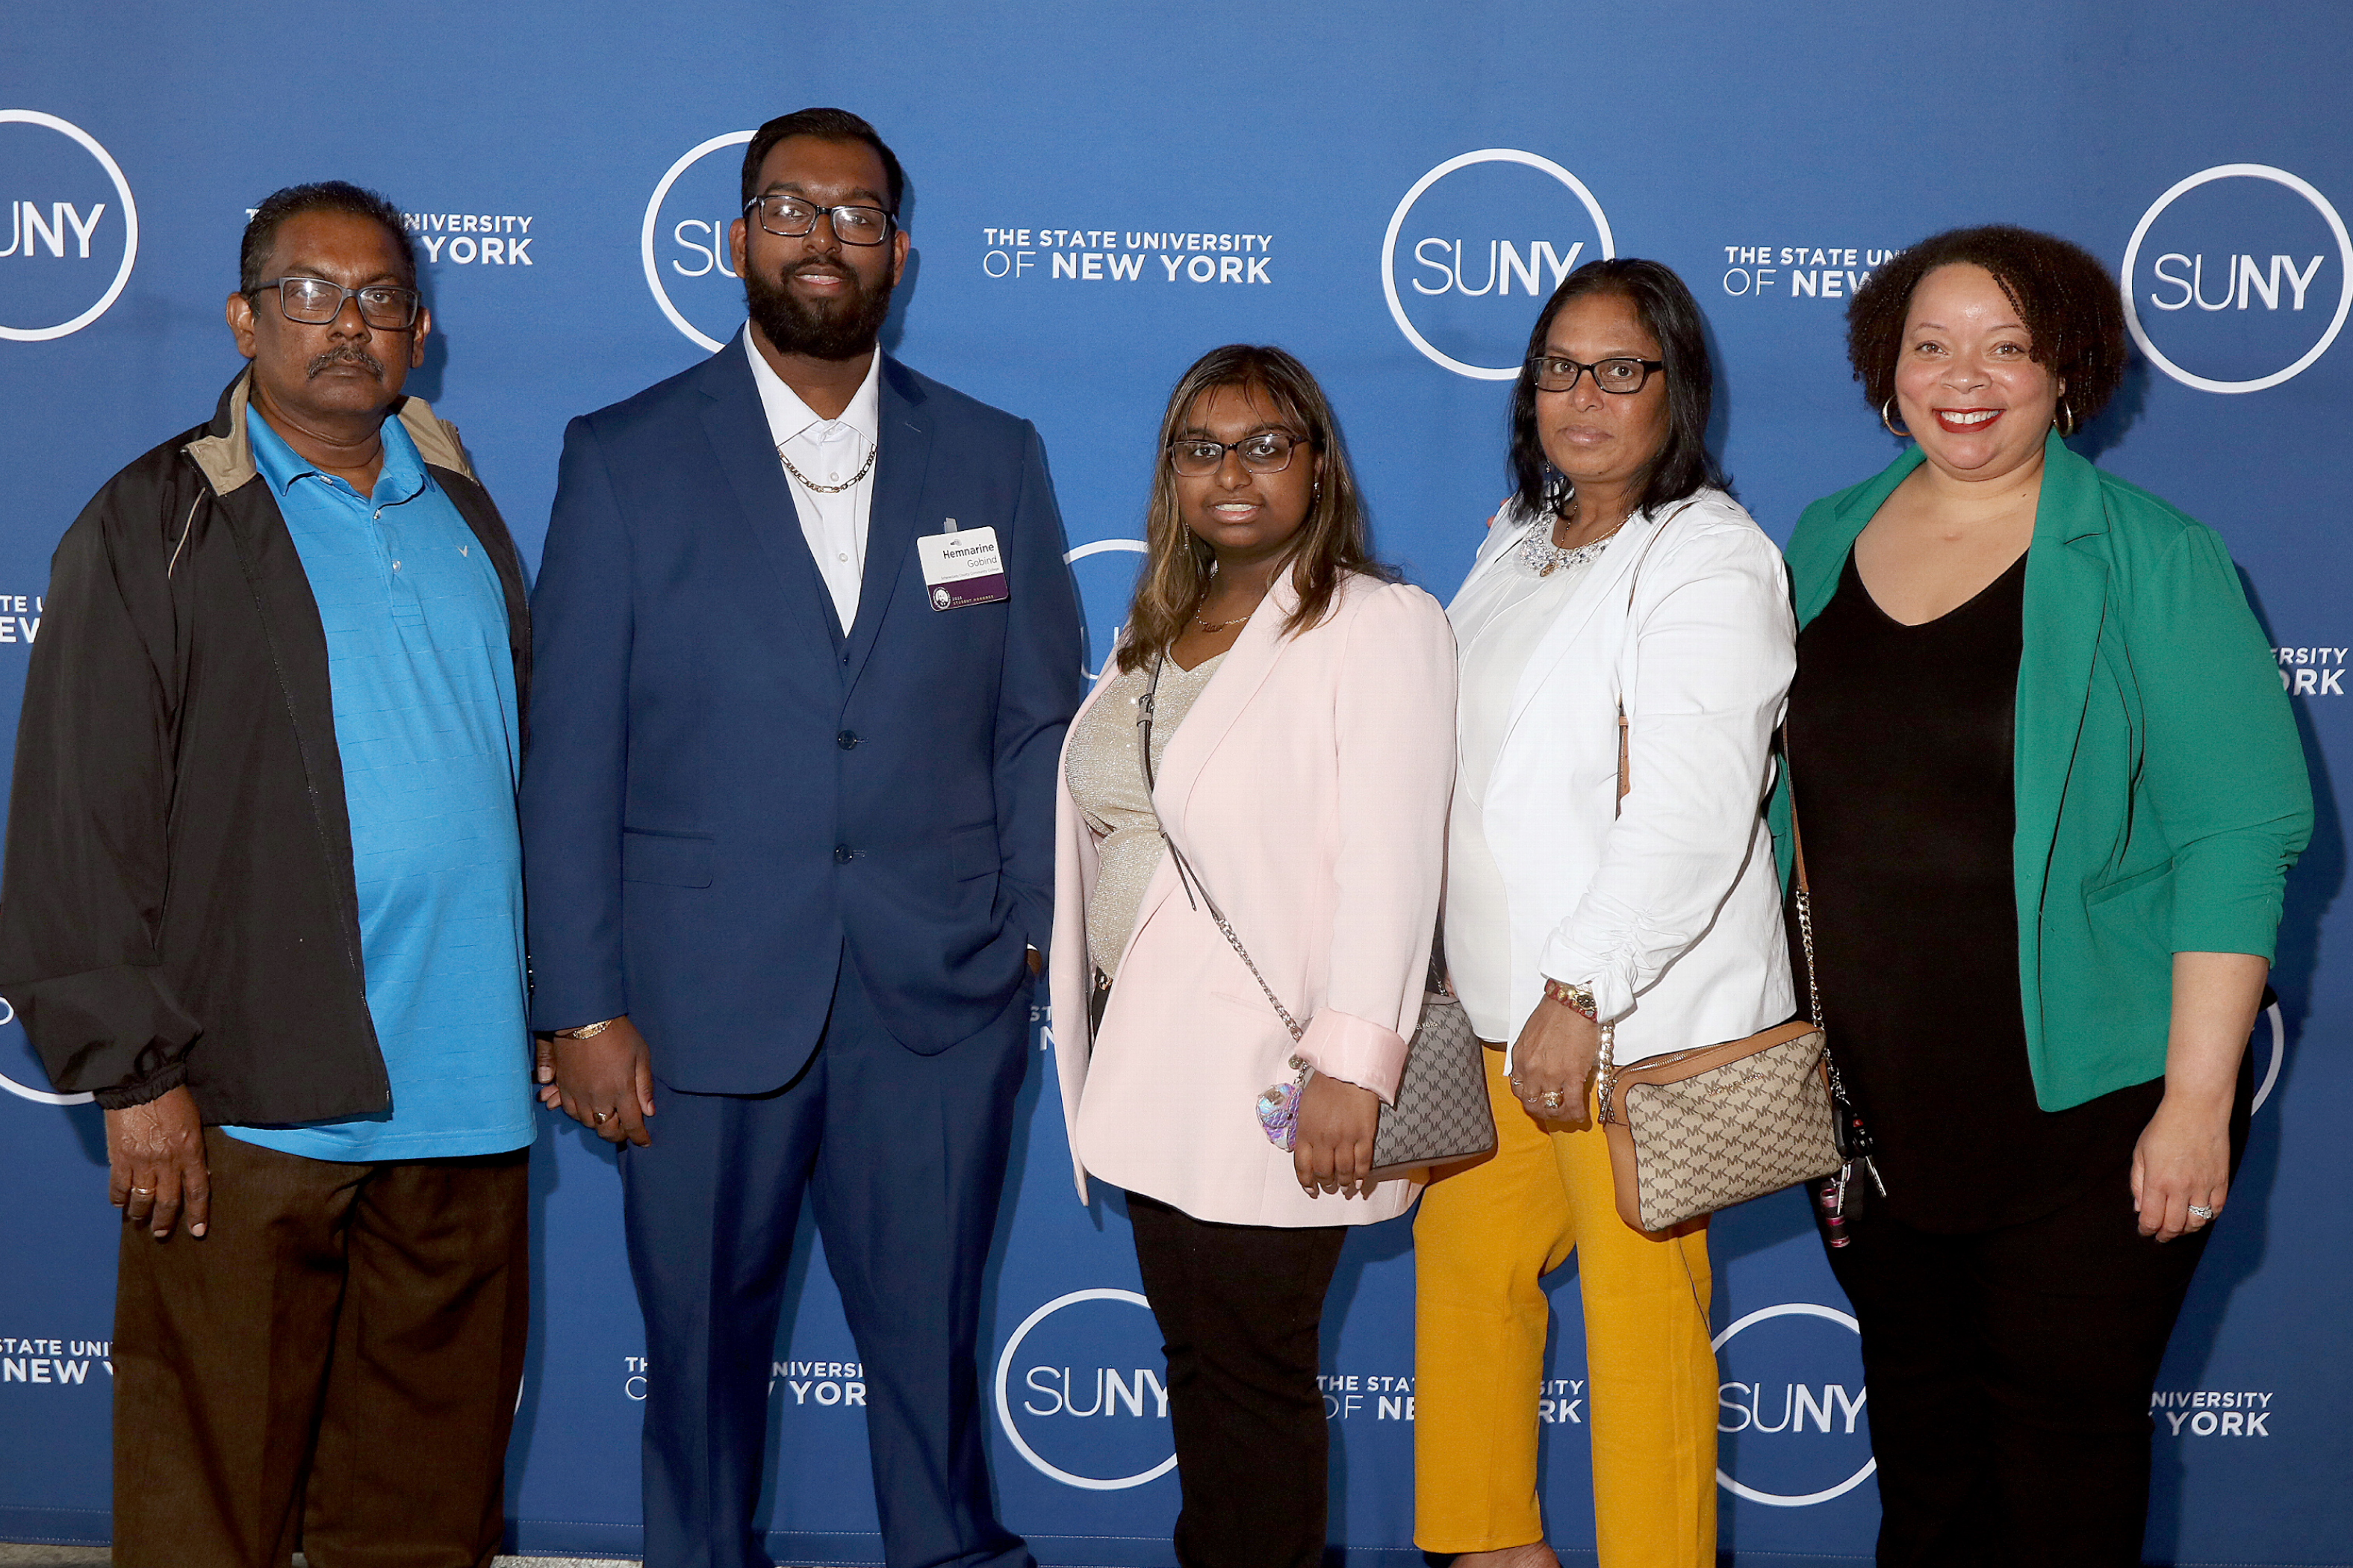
(1109, 1392)
(1799, 1410)
(2182, 278)
(51, 232)
(24, 1091)
(1087, 580)
(695, 247)
(1534, 262)
(2279, 1054)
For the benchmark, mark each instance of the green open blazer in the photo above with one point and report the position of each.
(2161, 790)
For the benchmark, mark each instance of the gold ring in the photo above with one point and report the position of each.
(143, 1192)
(1551, 1100)
(602, 1117)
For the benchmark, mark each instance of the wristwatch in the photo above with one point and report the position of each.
(586, 1031)
(1576, 998)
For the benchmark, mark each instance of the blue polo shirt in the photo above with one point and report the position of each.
(424, 694)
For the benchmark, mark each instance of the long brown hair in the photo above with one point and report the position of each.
(1329, 547)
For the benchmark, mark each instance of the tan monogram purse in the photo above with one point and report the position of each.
(1700, 1129)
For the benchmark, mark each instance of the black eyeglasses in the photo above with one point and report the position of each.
(1623, 376)
(789, 217)
(314, 302)
(1264, 452)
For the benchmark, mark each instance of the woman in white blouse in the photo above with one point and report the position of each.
(1301, 747)
(1597, 874)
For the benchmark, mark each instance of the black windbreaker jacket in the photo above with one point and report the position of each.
(179, 904)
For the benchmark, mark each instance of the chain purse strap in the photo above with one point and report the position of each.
(1186, 876)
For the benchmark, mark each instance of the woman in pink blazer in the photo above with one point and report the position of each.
(1303, 744)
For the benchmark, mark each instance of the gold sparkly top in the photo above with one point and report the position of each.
(1107, 785)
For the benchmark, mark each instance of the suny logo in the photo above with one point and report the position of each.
(1790, 1409)
(72, 227)
(1082, 1392)
(683, 242)
(20, 1049)
(2238, 279)
(1475, 245)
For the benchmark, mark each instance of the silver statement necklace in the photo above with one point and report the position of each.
(865, 468)
(1538, 556)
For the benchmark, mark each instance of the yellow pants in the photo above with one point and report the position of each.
(1485, 1238)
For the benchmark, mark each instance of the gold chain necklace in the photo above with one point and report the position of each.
(864, 469)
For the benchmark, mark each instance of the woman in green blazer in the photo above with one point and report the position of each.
(2049, 792)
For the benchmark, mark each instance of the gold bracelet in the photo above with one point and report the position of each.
(1576, 998)
(587, 1031)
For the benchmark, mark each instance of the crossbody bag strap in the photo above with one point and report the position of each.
(1802, 896)
(1608, 1067)
(1186, 876)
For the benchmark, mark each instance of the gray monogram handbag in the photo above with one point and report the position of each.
(1441, 1113)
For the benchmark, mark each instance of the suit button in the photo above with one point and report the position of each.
(846, 740)
(841, 854)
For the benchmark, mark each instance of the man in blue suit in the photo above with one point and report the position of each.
(805, 650)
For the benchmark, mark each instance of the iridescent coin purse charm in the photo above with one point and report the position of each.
(1278, 1110)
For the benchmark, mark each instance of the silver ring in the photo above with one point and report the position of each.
(2199, 1211)
(1551, 1100)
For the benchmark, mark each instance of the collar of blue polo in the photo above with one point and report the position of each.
(401, 479)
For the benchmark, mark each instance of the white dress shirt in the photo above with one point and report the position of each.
(826, 452)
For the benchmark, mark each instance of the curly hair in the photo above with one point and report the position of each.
(1331, 544)
(2074, 318)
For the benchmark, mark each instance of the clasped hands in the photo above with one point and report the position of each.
(606, 1082)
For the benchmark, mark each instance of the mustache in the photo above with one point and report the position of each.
(345, 355)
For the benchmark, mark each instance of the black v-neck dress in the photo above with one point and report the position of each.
(1900, 743)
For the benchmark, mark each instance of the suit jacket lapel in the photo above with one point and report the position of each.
(1248, 664)
(738, 430)
(2066, 604)
(902, 452)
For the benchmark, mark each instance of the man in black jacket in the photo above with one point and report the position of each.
(263, 900)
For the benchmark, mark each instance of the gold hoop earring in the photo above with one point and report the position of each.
(2066, 425)
(1884, 410)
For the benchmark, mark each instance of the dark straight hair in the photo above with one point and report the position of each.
(1670, 314)
(825, 125)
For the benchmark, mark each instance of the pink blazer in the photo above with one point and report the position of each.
(1308, 787)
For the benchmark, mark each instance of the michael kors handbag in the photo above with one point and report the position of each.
(1442, 1112)
(1700, 1129)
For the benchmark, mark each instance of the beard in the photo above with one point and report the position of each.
(841, 329)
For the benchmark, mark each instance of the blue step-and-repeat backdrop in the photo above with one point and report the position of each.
(1099, 191)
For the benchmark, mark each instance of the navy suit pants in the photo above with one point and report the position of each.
(904, 1159)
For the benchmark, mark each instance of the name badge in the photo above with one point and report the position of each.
(962, 567)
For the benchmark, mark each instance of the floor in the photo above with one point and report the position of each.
(99, 1557)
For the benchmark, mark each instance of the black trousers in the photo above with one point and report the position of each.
(2009, 1374)
(1240, 1309)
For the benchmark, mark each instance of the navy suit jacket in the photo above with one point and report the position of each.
(727, 798)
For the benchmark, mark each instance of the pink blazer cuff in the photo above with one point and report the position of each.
(1354, 1050)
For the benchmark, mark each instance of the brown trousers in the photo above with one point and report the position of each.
(332, 1368)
